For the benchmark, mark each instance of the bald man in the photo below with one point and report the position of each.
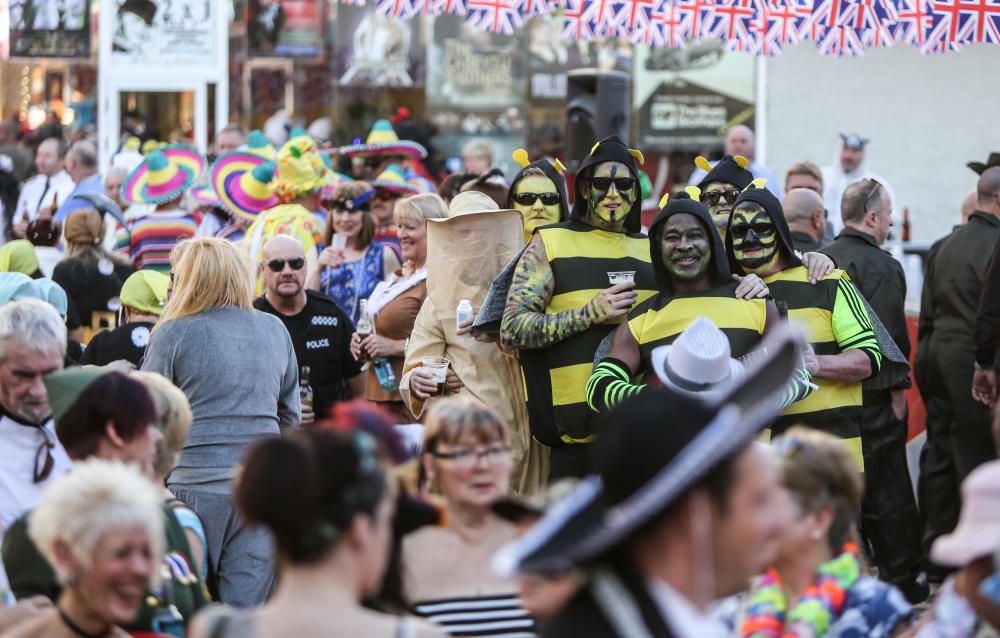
(969, 204)
(958, 427)
(320, 330)
(740, 140)
(806, 218)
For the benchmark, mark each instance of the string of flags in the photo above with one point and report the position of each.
(758, 27)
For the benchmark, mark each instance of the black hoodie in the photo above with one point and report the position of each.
(682, 203)
(772, 206)
(610, 149)
(557, 178)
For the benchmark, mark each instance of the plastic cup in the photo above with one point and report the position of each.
(438, 367)
(621, 277)
(339, 242)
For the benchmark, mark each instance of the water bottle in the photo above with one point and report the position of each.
(386, 377)
(463, 313)
(364, 328)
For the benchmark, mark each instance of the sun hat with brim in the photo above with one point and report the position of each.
(257, 143)
(393, 179)
(978, 530)
(18, 256)
(164, 175)
(146, 291)
(382, 140)
(651, 451)
(698, 362)
(244, 183)
(65, 387)
(991, 161)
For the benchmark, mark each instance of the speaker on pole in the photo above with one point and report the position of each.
(598, 104)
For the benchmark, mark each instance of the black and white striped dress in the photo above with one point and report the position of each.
(479, 616)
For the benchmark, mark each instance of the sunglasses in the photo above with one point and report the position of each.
(386, 196)
(738, 230)
(712, 198)
(528, 199)
(43, 456)
(344, 206)
(277, 265)
(621, 183)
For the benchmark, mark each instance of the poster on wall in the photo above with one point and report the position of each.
(376, 50)
(165, 32)
(550, 56)
(49, 29)
(285, 28)
(469, 69)
(686, 99)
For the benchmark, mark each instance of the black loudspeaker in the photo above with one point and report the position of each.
(598, 104)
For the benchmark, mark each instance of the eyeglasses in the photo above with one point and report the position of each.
(277, 265)
(43, 456)
(621, 183)
(528, 199)
(468, 458)
(712, 198)
(741, 229)
(385, 195)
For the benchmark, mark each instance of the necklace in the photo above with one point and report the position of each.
(75, 628)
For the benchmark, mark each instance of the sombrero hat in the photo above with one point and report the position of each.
(257, 143)
(242, 181)
(300, 169)
(382, 140)
(336, 179)
(393, 180)
(204, 196)
(645, 468)
(163, 175)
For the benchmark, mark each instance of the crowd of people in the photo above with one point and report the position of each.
(302, 389)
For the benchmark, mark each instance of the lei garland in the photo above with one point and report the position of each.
(768, 616)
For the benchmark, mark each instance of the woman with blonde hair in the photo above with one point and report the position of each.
(394, 304)
(100, 526)
(237, 368)
(447, 577)
(91, 275)
(349, 274)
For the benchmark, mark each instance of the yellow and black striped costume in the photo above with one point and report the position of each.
(835, 320)
(581, 257)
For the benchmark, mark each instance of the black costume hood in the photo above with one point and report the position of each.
(683, 203)
(763, 197)
(610, 149)
(729, 169)
(552, 171)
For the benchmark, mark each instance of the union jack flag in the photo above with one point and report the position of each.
(576, 24)
(441, 7)
(404, 9)
(913, 21)
(496, 16)
(841, 42)
(878, 37)
(601, 15)
(531, 8)
(869, 14)
(671, 27)
(731, 23)
(633, 19)
(982, 23)
(826, 14)
(698, 14)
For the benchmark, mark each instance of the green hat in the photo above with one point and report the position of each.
(18, 256)
(66, 386)
(146, 290)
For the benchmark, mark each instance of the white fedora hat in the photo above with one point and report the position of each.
(698, 361)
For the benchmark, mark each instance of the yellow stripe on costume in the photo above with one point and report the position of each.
(580, 298)
(816, 322)
(569, 383)
(562, 243)
(725, 312)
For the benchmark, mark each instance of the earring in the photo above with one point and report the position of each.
(68, 580)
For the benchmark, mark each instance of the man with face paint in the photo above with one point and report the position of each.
(560, 305)
(538, 192)
(722, 184)
(830, 311)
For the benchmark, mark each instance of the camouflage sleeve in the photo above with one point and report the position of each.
(525, 323)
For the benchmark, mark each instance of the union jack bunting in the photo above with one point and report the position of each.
(399, 8)
(632, 19)
(879, 37)
(441, 7)
(841, 42)
(731, 23)
(826, 14)
(576, 25)
(671, 27)
(982, 23)
(496, 16)
(602, 14)
(531, 8)
(913, 21)
(869, 14)
(697, 14)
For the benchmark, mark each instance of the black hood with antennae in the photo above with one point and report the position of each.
(610, 149)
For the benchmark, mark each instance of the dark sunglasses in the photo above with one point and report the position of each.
(43, 456)
(277, 265)
(344, 206)
(386, 195)
(528, 199)
(759, 228)
(712, 198)
(621, 183)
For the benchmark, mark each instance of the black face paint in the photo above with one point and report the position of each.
(754, 232)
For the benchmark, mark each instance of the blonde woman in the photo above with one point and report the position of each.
(349, 274)
(101, 528)
(394, 305)
(237, 368)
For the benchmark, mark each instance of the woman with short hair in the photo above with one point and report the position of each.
(101, 528)
(447, 576)
(238, 369)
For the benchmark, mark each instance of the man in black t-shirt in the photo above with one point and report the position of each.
(320, 330)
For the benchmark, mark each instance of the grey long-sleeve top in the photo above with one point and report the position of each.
(238, 370)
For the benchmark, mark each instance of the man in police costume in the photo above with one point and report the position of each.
(320, 330)
(573, 284)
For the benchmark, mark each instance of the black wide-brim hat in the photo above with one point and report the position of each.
(991, 161)
(652, 450)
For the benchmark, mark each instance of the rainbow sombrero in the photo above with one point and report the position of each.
(393, 179)
(244, 183)
(257, 143)
(204, 196)
(382, 140)
(163, 175)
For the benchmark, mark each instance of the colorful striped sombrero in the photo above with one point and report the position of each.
(163, 175)
(204, 196)
(244, 183)
(382, 140)
(393, 179)
(257, 143)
